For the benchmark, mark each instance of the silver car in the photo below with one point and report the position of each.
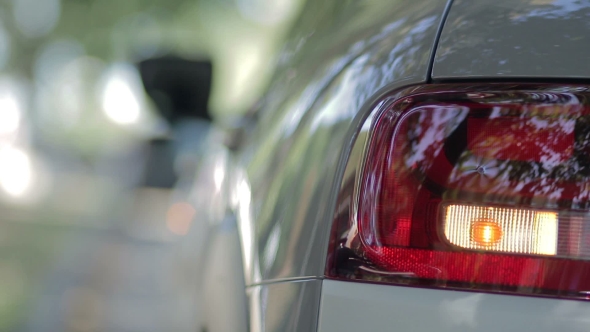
(415, 165)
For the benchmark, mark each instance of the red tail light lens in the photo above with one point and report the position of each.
(473, 187)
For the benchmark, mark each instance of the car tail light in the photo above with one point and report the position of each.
(472, 187)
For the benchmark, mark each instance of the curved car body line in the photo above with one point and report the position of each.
(294, 279)
(291, 161)
(514, 39)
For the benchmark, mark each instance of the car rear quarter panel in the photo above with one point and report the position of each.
(343, 55)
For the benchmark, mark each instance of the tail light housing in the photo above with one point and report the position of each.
(473, 187)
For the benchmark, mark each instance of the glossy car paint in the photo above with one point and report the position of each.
(294, 156)
(291, 164)
(508, 38)
(287, 306)
(281, 185)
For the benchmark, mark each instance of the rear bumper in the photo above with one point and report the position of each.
(350, 306)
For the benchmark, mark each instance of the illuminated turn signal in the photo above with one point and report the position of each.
(509, 230)
(485, 232)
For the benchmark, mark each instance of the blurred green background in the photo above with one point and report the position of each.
(72, 115)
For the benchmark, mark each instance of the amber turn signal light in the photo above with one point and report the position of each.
(485, 232)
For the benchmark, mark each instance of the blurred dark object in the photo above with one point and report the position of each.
(179, 87)
(159, 171)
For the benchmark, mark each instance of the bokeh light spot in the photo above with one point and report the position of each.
(15, 171)
(9, 114)
(36, 18)
(179, 218)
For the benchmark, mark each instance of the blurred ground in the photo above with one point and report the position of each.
(127, 277)
(106, 281)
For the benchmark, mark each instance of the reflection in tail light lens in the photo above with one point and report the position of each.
(475, 187)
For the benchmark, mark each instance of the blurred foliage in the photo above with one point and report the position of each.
(242, 46)
(66, 70)
(62, 62)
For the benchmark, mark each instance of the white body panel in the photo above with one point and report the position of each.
(350, 306)
(514, 39)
